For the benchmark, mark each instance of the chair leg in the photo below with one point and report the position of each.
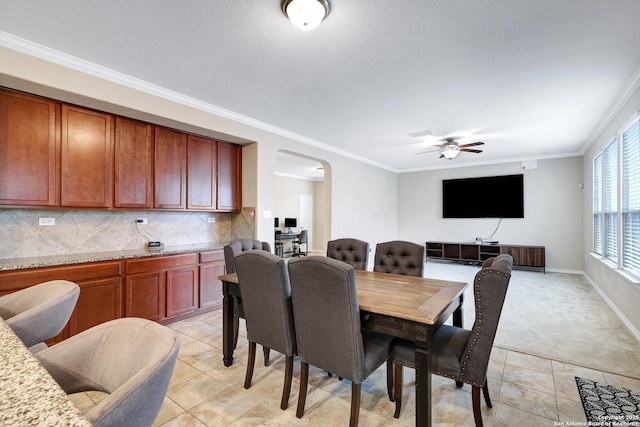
(265, 352)
(286, 389)
(304, 381)
(251, 360)
(390, 379)
(397, 389)
(475, 398)
(485, 391)
(355, 404)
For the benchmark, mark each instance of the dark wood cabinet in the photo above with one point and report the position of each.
(99, 302)
(28, 150)
(202, 164)
(86, 158)
(211, 266)
(229, 177)
(133, 179)
(170, 169)
(524, 257)
(160, 287)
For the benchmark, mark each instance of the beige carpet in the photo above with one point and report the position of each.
(557, 316)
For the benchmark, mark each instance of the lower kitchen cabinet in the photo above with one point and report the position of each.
(211, 266)
(99, 302)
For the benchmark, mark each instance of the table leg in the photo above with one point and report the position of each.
(423, 384)
(227, 327)
(458, 314)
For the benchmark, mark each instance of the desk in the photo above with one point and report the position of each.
(28, 394)
(279, 242)
(402, 306)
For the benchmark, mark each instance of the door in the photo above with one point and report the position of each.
(306, 216)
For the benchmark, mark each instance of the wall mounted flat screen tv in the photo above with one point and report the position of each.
(486, 197)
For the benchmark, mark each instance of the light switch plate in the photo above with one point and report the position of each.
(266, 214)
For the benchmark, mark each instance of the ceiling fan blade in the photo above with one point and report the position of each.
(472, 144)
(429, 151)
(470, 150)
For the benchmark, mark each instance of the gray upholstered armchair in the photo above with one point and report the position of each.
(131, 359)
(266, 296)
(327, 321)
(460, 354)
(38, 313)
(399, 257)
(352, 251)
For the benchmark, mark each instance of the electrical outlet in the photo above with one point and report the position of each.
(46, 221)
(211, 219)
(141, 220)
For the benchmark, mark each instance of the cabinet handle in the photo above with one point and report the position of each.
(367, 316)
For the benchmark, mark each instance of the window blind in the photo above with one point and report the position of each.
(610, 200)
(631, 197)
(597, 204)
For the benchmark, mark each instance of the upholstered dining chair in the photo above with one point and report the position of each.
(302, 239)
(399, 257)
(327, 320)
(460, 354)
(230, 251)
(352, 251)
(266, 297)
(38, 313)
(131, 359)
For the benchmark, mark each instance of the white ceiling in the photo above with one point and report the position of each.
(532, 79)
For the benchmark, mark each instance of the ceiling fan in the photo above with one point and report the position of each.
(450, 149)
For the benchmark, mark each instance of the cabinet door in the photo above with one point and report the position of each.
(27, 150)
(170, 169)
(145, 295)
(229, 176)
(99, 302)
(182, 291)
(210, 286)
(86, 158)
(133, 164)
(201, 165)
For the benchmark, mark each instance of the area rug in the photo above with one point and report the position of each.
(607, 405)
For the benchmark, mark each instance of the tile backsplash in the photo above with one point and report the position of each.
(83, 231)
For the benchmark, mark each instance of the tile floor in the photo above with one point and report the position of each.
(526, 390)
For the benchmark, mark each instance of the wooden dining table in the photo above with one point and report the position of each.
(407, 307)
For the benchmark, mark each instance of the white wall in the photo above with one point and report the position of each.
(621, 291)
(552, 202)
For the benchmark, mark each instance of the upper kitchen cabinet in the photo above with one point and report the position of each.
(133, 164)
(28, 143)
(170, 169)
(202, 165)
(229, 177)
(86, 158)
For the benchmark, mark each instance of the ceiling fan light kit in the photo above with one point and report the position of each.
(306, 14)
(450, 149)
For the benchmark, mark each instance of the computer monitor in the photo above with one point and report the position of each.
(290, 223)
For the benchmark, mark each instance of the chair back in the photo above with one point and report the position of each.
(399, 257)
(239, 246)
(303, 237)
(352, 251)
(38, 313)
(132, 359)
(489, 290)
(327, 316)
(266, 298)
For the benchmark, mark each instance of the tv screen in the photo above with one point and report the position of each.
(487, 197)
(290, 222)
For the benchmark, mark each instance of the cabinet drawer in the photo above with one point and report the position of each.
(211, 256)
(160, 263)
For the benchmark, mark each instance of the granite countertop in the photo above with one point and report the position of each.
(28, 394)
(68, 259)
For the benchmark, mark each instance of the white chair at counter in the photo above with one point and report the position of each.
(38, 313)
(132, 359)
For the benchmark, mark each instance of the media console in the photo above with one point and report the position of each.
(524, 257)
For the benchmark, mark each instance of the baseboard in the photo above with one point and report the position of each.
(622, 317)
(560, 270)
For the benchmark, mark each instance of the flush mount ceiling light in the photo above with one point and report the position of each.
(305, 14)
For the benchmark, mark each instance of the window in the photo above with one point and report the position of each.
(610, 201)
(616, 199)
(630, 191)
(597, 205)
